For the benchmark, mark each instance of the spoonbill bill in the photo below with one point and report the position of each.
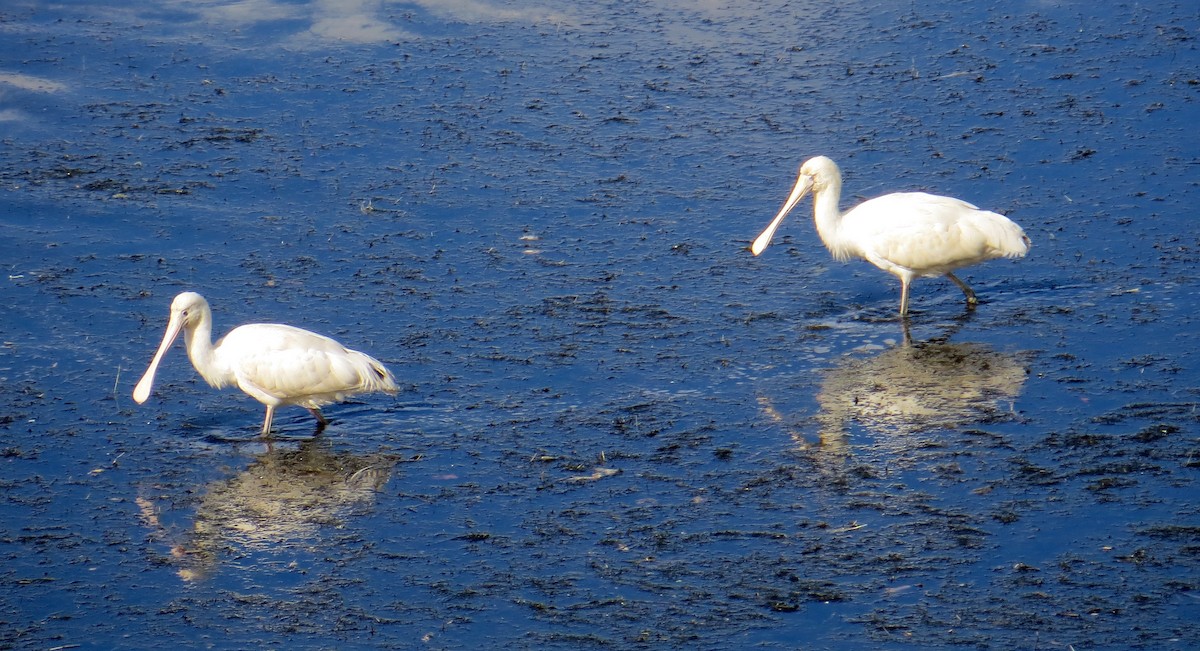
(275, 364)
(907, 234)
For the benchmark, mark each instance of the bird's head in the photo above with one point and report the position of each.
(187, 308)
(815, 175)
(819, 173)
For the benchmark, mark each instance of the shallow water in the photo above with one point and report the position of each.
(618, 429)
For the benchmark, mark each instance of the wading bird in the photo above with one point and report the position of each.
(275, 364)
(907, 234)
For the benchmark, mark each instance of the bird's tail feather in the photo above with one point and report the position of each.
(1003, 235)
(375, 376)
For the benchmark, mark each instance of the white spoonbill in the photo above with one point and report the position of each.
(907, 234)
(275, 364)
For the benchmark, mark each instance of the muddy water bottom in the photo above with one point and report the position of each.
(617, 428)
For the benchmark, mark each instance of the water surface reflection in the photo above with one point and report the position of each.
(284, 498)
(910, 389)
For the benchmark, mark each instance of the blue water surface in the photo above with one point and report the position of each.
(617, 429)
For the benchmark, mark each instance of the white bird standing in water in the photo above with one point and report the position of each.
(907, 234)
(275, 364)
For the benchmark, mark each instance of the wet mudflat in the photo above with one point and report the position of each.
(618, 428)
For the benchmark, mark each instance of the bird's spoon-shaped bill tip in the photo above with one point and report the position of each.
(760, 243)
(142, 391)
(803, 184)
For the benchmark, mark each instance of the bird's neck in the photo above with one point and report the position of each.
(828, 218)
(198, 339)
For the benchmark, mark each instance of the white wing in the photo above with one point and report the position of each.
(281, 364)
(930, 234)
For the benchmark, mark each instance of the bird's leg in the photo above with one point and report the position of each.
(321, 422)
(904, 283)
(266, 430)
(971, 300)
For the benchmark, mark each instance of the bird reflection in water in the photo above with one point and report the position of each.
(909, 389)
(284, 497)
